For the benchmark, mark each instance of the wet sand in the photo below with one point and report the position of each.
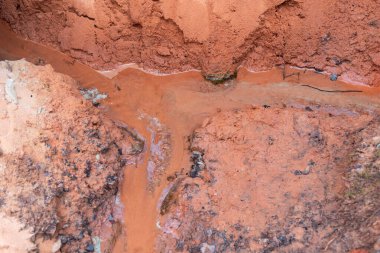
(180, 102)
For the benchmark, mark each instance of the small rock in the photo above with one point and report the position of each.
(90, 247)
(270, 140)
(180, 245)
(111, 179)
(10, 91)
(96, 240)
(194, 171)
(282, 239)
(93, 95)
(196, 155)
(325, 38)
(308, 108)
(302, 173)
(220, 78)
(333, 77)
(56, 246)
(65, 239)
(163, 51)
(40, 110)
(374, 23)
(206, 248)
(39, 61)
(306, 171)
(201, 165)
(198, 164)
(359, 168)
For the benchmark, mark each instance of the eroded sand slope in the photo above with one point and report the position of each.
(61, 161)
(215, 36)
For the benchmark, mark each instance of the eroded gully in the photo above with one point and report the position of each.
(180, 102)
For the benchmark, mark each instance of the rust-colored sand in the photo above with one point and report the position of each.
(284, 164)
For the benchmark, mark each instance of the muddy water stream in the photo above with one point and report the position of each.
(180, 103)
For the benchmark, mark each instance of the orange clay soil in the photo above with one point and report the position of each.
(214, 36)
(265, 179)
(165, 111)
(61, 160)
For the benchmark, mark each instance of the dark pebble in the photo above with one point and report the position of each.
(301, 173)
(283, 240)
(90, 248)
(333, 77)
(308, 108)
(194, 171)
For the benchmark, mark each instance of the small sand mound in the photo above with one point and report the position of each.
(266, 179)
